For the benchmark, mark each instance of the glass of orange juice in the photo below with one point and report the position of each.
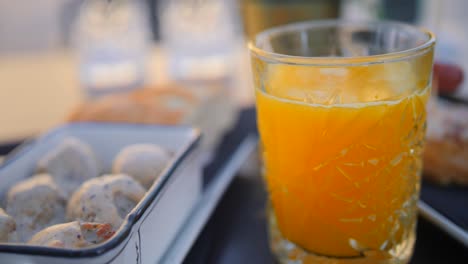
(341, 115)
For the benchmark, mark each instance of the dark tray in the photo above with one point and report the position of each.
(236, 233)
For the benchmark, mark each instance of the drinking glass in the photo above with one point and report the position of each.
(341, 115)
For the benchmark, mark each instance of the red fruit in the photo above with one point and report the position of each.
(449, 77)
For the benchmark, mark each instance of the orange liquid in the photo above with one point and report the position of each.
(343, 178)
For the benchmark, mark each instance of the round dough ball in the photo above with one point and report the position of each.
(106, 199)
(35, 203)
(70, 164)
(73, 235)
(7, 228)
(143, 162)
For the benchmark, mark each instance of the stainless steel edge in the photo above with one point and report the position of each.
(208, 202)
(441, 221)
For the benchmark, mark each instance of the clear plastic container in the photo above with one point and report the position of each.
(112, 40)
(199, 37)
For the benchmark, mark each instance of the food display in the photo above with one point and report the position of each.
(70, 203)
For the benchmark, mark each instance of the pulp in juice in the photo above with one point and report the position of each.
(342, 158)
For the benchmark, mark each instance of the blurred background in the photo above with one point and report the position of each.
(60, 55)
(186, 62)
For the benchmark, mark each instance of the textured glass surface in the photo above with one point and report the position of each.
(342, 138)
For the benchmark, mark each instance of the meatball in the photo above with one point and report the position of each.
(143, 162)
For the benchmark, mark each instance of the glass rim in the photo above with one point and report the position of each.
(334, 60)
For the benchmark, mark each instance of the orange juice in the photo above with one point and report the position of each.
(342, 155)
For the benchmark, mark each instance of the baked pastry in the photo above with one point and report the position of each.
(70, 164)
(446, 150)
(35, 204)
(73, 235)
(205, 105)
(143, 162)
(167, 106)
(7, 228)
(106, 199)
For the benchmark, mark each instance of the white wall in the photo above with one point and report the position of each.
(27, 25)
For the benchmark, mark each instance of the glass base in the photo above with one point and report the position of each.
(287, 252)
